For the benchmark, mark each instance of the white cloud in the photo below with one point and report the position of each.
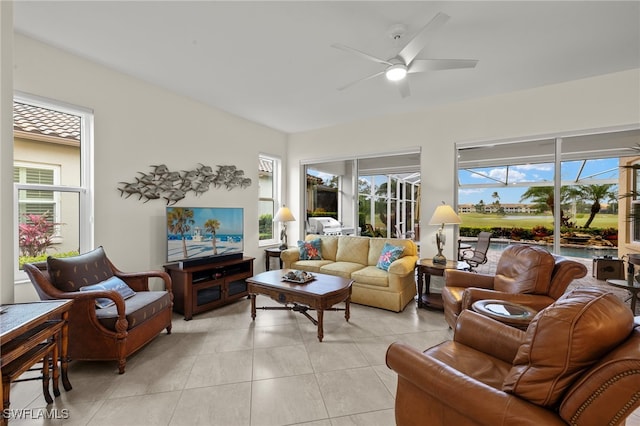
(545, 167)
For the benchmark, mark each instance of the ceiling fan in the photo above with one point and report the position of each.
(405, 61)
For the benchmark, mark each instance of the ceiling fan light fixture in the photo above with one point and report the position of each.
(396, 72)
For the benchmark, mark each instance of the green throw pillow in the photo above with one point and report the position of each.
(390, 254)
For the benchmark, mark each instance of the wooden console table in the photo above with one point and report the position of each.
(30, 332)
(204, 287)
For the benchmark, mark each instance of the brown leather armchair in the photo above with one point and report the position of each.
(109, 333)
(578, 363)
(527, 275)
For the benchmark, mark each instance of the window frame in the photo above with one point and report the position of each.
(276, 197)
(85, 190)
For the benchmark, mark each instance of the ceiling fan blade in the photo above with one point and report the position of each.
(361, 80)
(422, 65)
(403, 86)
(416, 44)
(361, 54)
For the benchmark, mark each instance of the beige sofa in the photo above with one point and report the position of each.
(356, 258)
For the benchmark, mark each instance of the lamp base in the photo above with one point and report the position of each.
(439, 259)
(283, 246)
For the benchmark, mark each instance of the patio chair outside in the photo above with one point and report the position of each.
(478, 256)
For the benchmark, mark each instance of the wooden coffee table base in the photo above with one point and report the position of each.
(319, 295)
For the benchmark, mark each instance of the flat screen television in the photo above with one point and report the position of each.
(204, 232)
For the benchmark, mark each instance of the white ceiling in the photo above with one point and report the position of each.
(272, 62)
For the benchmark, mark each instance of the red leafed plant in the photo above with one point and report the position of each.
(36, 235)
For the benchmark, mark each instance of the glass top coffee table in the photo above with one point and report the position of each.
(506, 312)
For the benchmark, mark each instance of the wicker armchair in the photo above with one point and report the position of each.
(119, 328)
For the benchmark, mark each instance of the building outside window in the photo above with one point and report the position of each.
(52, 179)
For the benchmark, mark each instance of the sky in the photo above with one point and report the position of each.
(530, 175)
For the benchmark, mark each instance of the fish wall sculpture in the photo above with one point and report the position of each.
(161, 183)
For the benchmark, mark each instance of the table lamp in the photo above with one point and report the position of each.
(283, 216)
(443, 215)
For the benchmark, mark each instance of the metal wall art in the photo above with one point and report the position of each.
(161, 183)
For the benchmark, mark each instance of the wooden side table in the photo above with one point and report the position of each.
(426, 268)
(269, 253)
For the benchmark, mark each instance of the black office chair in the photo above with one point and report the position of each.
(477, 256)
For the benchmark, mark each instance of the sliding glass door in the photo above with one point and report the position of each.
(369, 195)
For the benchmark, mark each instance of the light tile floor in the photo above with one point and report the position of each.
(222, 368)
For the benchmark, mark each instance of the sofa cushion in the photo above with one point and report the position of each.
(70, 273)
(341, 269)
(524, 269)
(353, 250)
(113, 283)
(139, 308)
(389, 254)
(371, 275)
(328, 245)
(310, 265)
(310, 250)
(564, 340)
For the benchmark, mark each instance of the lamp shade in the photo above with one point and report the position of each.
(444, 214)
(284, 215)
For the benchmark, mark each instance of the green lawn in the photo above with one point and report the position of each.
(479, 220)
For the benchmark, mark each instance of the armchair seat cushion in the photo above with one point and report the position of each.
(139, 308)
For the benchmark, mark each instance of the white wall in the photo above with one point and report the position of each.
(138, 125)
(6, 151)
(603, 101)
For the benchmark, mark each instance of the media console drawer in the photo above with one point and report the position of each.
(207, 286)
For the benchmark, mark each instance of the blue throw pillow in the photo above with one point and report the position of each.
(390, 253)
(310, 250)
(113, 283)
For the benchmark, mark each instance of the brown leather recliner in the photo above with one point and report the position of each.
(113, 332)
(525, 274)
(578, 363)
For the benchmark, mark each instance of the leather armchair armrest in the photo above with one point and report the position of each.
(457, 391)
(455, 278)
(403, 266)
(487, 335)
(535, 301)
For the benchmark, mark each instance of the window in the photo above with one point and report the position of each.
(34, 201)
(52, 179)
(269, 198)
(560, 191)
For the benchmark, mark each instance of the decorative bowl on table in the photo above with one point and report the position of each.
(298, 277)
